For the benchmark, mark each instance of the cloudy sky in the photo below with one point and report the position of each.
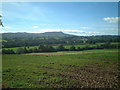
(78, 18)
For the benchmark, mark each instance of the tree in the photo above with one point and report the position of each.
(106, 45)
(46, 48)
(72, 48)
(25, 50)
(79, 49)
(30, 50)
(1, 24)
(49, 48)
(86, 47)
(41, 48)
(20, 51)
(8, 51)
(60, 48)
(35, 50)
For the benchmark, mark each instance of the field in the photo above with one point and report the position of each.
(86, 69)
(66, 46)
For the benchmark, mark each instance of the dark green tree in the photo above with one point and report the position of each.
(78, 48)
(72, 48)
(25, 50)
(8, 51)
(60, 48)
(1, 24)
(41, 48)
(35, 49)
(20, 51)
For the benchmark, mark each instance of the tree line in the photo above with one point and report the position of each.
(48, 48)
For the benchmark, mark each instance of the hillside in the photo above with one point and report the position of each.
(51, 38)
(33, 35)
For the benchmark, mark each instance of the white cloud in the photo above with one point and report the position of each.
(1, 31)
(18, 31)
(111, 29)
(108, 29)
(85, 27)
(35, 26)
(50, 30)
(1, 27)
(7, 27)
(112, 19)
(67, 31)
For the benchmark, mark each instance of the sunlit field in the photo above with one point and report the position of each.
(97, 69)
(70, 44)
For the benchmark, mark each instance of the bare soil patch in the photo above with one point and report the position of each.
(64, 53)
(89, 76)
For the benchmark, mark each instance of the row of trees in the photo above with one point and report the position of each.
(47, 48)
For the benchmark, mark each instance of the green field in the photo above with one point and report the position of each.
(66, 46)
(98, 69)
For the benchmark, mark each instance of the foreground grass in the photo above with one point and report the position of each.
(98, 70)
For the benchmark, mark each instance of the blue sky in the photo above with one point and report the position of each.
(78, 18)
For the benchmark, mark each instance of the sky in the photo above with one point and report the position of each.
(77, 18)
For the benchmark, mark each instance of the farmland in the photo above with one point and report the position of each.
(59, 45)
(66, 46)
(87, 69)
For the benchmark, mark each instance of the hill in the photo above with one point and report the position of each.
(33, 35)
(52, 38)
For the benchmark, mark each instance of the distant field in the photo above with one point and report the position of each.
(66, 46)
(98, 69)
(75, 52)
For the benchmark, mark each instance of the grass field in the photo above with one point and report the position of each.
(97, 69)
(66, 46)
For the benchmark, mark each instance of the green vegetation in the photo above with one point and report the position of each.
(58, 60)
(66, 46)
(86, 70)
(11, 40)
(49, 48)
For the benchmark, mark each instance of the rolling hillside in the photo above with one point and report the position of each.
(52, 38)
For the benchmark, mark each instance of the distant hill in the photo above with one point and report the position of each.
(33, 35)
(55, 34)
(52, 38)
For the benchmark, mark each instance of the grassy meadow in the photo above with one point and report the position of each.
(59, 45)
(66, 46)
(97, 69)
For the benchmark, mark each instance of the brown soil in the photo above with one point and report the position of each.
(5, 86)
(64, 53)
(89, 76)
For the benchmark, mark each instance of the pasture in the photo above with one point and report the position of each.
(66, 46)
(97, 69)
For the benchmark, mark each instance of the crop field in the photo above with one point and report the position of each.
(86, 69)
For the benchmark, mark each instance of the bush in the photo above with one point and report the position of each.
(72, 48)
(20, 51)
(60, 48)
(9, 51)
